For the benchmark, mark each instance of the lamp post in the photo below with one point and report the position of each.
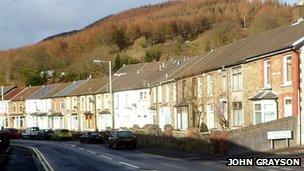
(2, 107)
(111, 101)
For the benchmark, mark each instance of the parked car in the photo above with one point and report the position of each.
(11, 133)
(91, 137)
(61, 134)
(45, 134)
(122, 139)
(30, 133)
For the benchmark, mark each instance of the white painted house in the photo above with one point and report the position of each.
(38, 108)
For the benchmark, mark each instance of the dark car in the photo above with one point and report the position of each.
(11, 133)
(45, 134)
(122, 139)
(91, 137)
(105, 135)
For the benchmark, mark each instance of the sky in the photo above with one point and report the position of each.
(24, 22)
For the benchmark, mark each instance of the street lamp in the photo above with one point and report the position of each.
(111, 103)
(2, 107)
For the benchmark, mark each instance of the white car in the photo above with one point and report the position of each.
(30, 133)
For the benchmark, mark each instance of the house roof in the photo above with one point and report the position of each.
(90, 86)
(143, 75)
(57, 90)
(13, 93)
(67, 90)
(42, 91)
(281, 38)
(6, 89)
(25, 93)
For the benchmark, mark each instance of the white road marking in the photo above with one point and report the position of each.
(72, 145)
(90, 151)
(80, 148)
(128, 164)
(101, 155)
(262, 168)
(45, 163)
(223, 161)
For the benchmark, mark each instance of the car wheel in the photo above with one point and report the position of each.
(109, 145)
(115, 146)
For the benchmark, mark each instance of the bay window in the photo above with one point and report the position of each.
(264, 111)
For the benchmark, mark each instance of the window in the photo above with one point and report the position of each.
(194, 87)
(287, 70)
(257, 113)
(267, 73)
(117, 99)
(183, 89)
(237, 82)
(199, 87)
(14, 108)
(210, 116)
(209, 85)
(264, 111)
(287, 107)
(238, 118)
(83, 103)
(224, 82)
(143, 95)
(20, 107)
(61, 105)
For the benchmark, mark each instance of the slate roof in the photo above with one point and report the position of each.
(90, 86)
(42, 91)
(13, 93)
(56, 90)
(67, 90)
(264, 95)
(6, 89)
(281, 38)
(25, 93)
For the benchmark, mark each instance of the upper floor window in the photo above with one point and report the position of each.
(14, 108)
(224, 82)
(183, 89)
(237, 81)
(209, 85)
(267, 73)
(20, 107)
(194, 87)
(199, 87)
(287, 70)
(143, 95)
(61, 105)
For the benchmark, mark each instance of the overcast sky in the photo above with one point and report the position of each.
(24, 22)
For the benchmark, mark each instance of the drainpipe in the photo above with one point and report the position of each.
(157, 112)
(299, 126)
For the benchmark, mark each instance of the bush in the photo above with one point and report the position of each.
(193, 132)
(151, 129)
(152, 54)
(168, 130)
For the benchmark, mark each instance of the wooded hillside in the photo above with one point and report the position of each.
(157, 32)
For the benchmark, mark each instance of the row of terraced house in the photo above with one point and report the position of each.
(254, 80)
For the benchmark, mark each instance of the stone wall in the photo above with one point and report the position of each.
(254, 138)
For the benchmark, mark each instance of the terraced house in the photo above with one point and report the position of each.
(254, 80)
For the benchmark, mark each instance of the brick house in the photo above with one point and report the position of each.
(249, 81)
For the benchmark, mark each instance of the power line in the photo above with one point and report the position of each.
(7, 6)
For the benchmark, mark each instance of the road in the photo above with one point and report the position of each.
(73, 156)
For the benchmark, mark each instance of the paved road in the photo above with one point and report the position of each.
(74, 156)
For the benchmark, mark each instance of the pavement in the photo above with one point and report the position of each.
(74, 156)
(20, 158)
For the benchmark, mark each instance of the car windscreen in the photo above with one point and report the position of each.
(127, 134)
(35, 129)
(95, 134)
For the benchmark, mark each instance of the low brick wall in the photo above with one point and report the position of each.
(254, 138)
(191, 145)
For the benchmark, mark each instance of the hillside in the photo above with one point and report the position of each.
(155, 32)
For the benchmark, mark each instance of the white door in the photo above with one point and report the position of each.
(287, 107)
